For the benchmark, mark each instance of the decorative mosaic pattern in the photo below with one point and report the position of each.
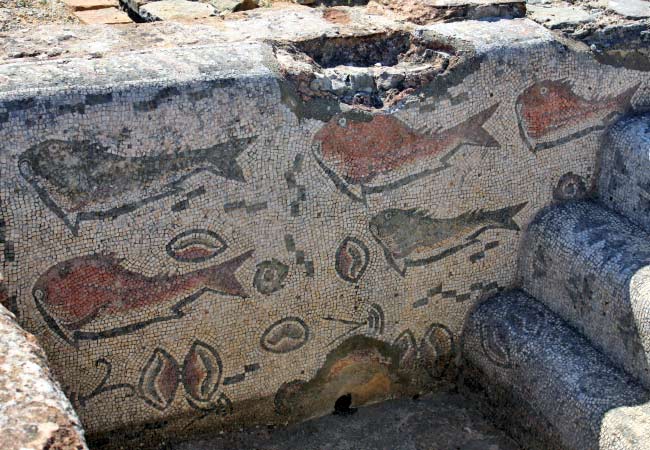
(186, 245)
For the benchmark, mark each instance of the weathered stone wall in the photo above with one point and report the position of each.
(195, 243)
(34, 412)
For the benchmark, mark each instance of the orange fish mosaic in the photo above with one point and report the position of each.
(355, 154)
(551, 107)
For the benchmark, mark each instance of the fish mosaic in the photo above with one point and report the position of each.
(360, 156)
(411, 237)
(81, 180)
(550, 113)
(196, 246)
(75, 295)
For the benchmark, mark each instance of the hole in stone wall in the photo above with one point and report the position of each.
(362, 51)
(246, 5)
(369, 71)
(342, 406)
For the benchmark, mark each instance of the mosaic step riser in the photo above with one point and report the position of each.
(547, 384)
(590, 266)
(624, 182)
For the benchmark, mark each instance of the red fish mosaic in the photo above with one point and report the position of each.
(83, 290)
(550, 113)
(356, 154)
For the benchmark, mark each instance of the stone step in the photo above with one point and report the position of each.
(591, 266)
(176, 10)
(105, 16)
(83, 5)
(547, 384)
(624, 182)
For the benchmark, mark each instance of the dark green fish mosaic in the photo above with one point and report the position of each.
(410, 237)
(74, 178)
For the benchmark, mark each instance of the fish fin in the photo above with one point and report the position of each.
(624, 99)
(472, 130)
(505, 217)
(471, 215)
(222, 278)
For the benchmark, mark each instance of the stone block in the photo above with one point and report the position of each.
(82, 5)
(559, 17)
(108, 16)
(176, 9)
(630, 9)
(34, 412)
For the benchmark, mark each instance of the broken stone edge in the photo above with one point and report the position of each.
(35, 414)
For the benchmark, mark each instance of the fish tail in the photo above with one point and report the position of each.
(472, 131)
(624, 99)
(504, 217)
(222, 277)
(224, 158)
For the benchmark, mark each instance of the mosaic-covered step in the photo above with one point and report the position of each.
(624, 183)
(592, 267)
(551, 387)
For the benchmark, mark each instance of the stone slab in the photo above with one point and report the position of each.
(554, 17)
(82, 5)
(228, 6)
(631, 9)
(106, 16)
(176, 9)
(453, 3)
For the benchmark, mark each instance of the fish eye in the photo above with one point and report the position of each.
(388, 215)
(543, 90)
(343, 122)
(39, 294)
